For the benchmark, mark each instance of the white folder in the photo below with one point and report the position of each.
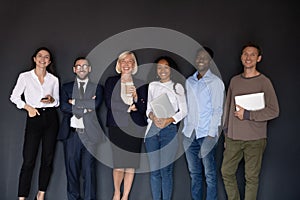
(162, 107)
(251, 102)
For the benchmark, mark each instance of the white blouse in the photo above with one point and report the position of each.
(29, 84)
(177, 99)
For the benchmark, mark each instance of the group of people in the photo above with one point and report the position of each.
(199, 105)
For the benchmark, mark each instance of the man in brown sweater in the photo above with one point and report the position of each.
(246, 130)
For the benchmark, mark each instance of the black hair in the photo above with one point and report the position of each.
(208, 50)
(253, 44)
(81, 58)
(173, 65)
(171, 62)
(51, 66)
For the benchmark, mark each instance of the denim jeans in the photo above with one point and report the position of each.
(200, 155)
(161, 146)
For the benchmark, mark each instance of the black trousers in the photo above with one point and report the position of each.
(43, 127)
(79, 161)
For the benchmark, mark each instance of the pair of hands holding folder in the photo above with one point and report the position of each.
(160, 122)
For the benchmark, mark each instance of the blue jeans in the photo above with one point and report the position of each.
(161, 146)
(201, 153)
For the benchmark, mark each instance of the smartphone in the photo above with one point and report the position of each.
(45, 98)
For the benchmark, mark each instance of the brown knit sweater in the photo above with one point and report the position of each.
(256, 127)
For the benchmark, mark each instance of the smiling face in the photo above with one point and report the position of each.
(250, 57)
(42, 59)
(202, 61)
(82, 68)
(127, 64)
(163, 70)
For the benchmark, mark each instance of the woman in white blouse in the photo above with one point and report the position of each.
(41, 91)
(161, 136)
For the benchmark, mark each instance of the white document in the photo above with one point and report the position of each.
(162, 107)
(251, 102)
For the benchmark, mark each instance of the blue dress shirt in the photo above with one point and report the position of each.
(205, 98)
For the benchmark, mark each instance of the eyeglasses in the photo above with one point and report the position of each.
(81, 67)
(130, 62)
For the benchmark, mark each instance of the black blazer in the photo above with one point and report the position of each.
(90, 119)
(117, 115)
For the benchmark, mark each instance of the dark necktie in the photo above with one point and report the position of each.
(81, 90)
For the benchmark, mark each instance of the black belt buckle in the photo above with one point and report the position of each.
(80, 130)
(45, 109)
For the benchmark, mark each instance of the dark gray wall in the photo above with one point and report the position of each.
(73, 28)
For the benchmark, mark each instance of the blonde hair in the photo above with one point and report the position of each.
(122, 56)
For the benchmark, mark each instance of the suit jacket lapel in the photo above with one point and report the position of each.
(75, 94)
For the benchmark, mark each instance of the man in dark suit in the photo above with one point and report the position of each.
(80, 130)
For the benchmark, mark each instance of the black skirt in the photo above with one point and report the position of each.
(126, 146)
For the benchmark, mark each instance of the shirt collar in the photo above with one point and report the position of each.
(36, 77)
(79, 80)
(207, 74)
(166, 83)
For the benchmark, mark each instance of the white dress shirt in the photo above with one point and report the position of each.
(29, 84)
